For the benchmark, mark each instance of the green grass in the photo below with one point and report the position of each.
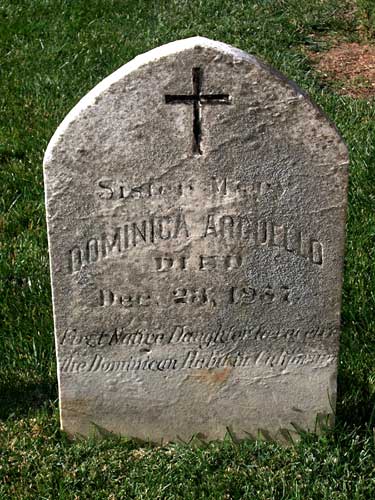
(51, 53)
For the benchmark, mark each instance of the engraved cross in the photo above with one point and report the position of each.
(198, 100)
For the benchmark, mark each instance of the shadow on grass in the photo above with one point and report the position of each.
(19, 400)
(355, 403)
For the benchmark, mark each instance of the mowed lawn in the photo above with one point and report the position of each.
(51, 53)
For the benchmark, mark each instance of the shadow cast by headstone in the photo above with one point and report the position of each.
(355, 402)
(18, 400)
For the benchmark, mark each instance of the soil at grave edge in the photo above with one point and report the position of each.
(350, 67)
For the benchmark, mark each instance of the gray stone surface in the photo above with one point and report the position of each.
(196, 208)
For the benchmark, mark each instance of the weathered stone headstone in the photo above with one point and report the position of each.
(196, 207)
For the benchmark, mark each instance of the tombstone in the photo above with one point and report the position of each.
(196, 207)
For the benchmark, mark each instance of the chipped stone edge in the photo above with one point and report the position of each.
(157, 54)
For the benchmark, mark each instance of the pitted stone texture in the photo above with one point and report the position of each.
(196, 249)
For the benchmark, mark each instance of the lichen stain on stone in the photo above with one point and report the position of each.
(212, 376)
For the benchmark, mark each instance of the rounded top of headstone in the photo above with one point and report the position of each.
(175, 49)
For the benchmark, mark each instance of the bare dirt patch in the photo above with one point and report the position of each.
(350, 66)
